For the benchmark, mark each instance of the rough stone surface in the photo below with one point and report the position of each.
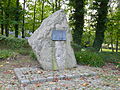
(53, 55)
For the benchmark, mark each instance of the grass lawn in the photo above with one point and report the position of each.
(108, 50)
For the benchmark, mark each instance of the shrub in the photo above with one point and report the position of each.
(89, 58)
(33, 56)
(23, 51)
(76, 47)
(5, 54)
(13, 43)
(111, 57)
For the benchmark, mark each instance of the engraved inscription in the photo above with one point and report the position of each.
(59, 35)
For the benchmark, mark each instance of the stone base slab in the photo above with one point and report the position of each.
(30, 75)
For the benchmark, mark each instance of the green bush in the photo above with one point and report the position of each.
(76, 47)
(23, 51)
(5, 54)
(89, 58)
(33, 56)
(111, 57)
(13, 43)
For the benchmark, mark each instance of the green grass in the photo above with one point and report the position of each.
(111, 57)
(108, 50)
(13, 43)
(24, 51)
(6, 53)
(33, 56)
(10, 45)
(89, 58)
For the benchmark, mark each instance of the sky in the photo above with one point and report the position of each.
(21, 1)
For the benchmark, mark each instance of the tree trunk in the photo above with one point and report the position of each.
(53, 7)
(2, 29)
(118, 4)
(101, 49)
(2, 25)
(6, 30)
(17, 18)
(34, 17)
(42, 15)
(52, 4)
(6, 19)
(23, 27)
(59, 4)
(79, 21)
(117, 42)
(101, 27)
(56, 5)
(112, 42)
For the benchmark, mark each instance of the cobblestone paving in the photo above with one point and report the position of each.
(31, 75)
(106, 79)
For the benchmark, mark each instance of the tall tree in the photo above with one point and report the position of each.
(78, 18)
(52, 5)
(7, 19)
(118, 4)
(23, 27)
(42, 15)
(101, 21)
(2, 25)
(56, 5)
(17, 18)
(59, 4)
(1, 17)
(118, 29)
(34, 17)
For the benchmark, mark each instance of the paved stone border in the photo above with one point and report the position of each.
(30, 75)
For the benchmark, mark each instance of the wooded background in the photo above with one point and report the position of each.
(94, 23)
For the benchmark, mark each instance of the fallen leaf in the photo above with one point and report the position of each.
(65, 85)
(67, 78)
(8, 72)
(118, 79)
(7, 62)
(38, 85)
(30, 72)
(55, 80)
(12, 83)
(7, 89)
(47, 89)
(14, 77)
(82, 78)
(24, 85)
(25, 73)
(51, 82)
(1, 82)
(1, 85)
(97, 77)
(85, 84)
(1, 65)
(11, 71)
(39, 72)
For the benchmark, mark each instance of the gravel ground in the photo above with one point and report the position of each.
(107, 78)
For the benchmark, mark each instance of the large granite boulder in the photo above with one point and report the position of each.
(53, 52)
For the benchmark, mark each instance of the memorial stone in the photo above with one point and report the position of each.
(51, 43)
